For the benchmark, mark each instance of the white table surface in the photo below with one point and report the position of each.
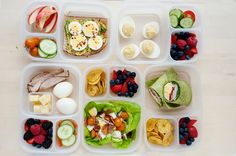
(217, 68)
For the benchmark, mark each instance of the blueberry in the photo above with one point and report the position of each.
(28, 135)
(47, 125)
(135, 91)
(119, 77)
(130, 89)
(129, 84)
(183, 125)
(133, 74)
(177, 34)
(187, 57)
(124, 77)
(173, 53)
(47, 143)
(180, 53)
(173, 46)
(119, 94)
(186, 35)
(176, 57)
(187, 47)
(36, 121)
(181, 137)
(121, 81)
(119, 72)
(186, 119)
(181, 35)
(186, 129)
(185, 134)
(117, 81)
(50, 131)
(29, 122)
(112, 82)
(38, 146)
(192, 139)
(188, 142)
(126, 94)
(128, 73)
(131, 94)
(181, 130)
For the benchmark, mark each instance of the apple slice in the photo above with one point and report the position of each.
(32, 16)
(48, 21)
(52, 25)
(43, 15)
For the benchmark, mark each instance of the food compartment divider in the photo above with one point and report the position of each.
(108, 149)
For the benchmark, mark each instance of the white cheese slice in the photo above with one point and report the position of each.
(101, 122)
(44, 109)
(93, 111)
(116, 134)
(37, 108)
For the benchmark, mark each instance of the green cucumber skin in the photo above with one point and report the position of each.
(42, 54)
(176, 12)
(68, 142)
(63, 136)
(174, 21)
(67, 122)
(53, 45)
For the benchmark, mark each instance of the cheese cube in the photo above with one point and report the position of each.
(33, 98)
(37, 108)
(44, 109)
(45, 99)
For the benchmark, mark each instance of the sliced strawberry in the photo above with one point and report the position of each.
(191, 123)
(114, 75)
(116, 88)
(124, 88)
(194, 50)
(30, 141)
(173, 38)
(26, 128)
(193, 132)
(190, 14)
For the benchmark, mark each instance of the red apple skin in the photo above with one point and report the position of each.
(43, 15)
(30, 15)
(48, 21)
(48, 30)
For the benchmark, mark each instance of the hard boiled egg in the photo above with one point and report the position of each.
(66, 106)
(63, 89)
(130, 51)
(127, 27)
(75, 28)
(150, 30)
(149, 49)
(78, 42)
(90, 29)
(95, 43)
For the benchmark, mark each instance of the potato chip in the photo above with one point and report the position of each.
(160, 131)
(96, 82)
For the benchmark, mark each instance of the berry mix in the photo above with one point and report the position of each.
(183, 45)
(38, 133)
(123, 83)
(187, 131)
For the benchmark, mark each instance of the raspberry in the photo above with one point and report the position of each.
(43, 132)
(192, 42)
(35, 129)
(173, 38)
(181, 43)
(39, 139)
(116, 88)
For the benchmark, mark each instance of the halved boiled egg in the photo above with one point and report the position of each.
(90, 29)
(130, 51)
(127, 27)
(149, 49)
(75, 28)
(78, 42)
(150, 30)
(95, 43)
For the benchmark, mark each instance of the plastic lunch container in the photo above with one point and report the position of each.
(189, 74)
(54, 116)
(143, 13)
(87, 9)
(137, 98)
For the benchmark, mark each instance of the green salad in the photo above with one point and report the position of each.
(112, 122)
(168, 90)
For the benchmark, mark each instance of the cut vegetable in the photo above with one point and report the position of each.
(65, 131)
(42, 54)
(189, 14)
(48, 46)
(51, 56)
(186, 22)
(69, 142)
(67, 122)
(174, 21)
(177, 12)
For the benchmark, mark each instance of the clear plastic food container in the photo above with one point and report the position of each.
(54, 116)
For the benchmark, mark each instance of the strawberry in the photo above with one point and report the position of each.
(173, 38)
(189, 53)
(192, 42)
(194, 50)
(124, 88)
(181, 44)
(30, 141)
(191, 123)
(116, 88)
(183, 57)
(114, 75)
(35, 129)
(39, 139)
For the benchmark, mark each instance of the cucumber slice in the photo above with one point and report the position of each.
(51, 56)
(65, 131)
(174, 21)
(42, 54)
(48, 46)
(67, 122)
(186, 22)
(177, 12)
(69, 142)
